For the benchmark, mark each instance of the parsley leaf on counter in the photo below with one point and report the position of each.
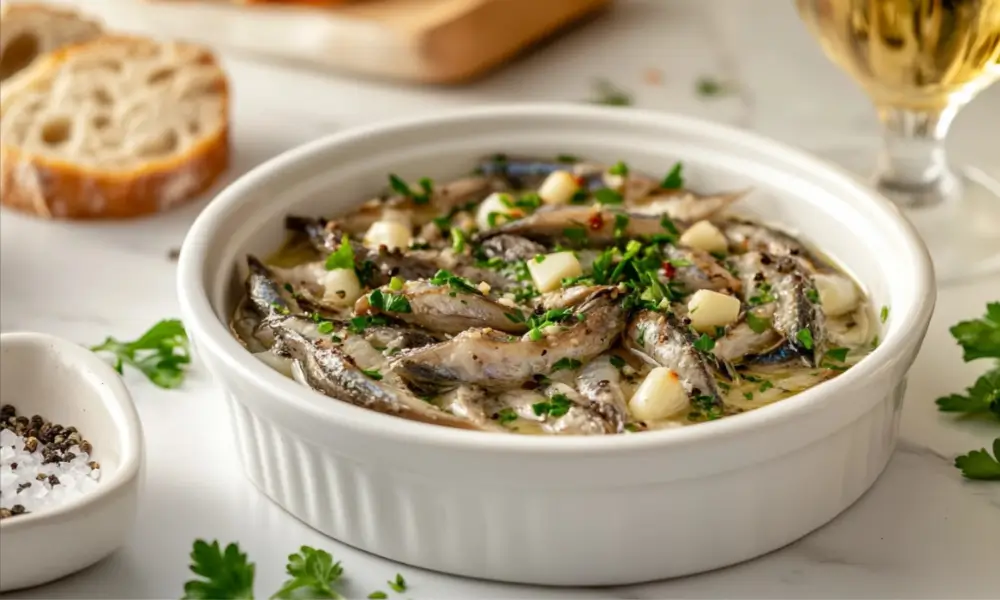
(161, 353)
(398, 584)
(980, 338)
(312, 573)
(982, 397)
(711, 87)
(978, 464)
(225, 574)
(609, 94)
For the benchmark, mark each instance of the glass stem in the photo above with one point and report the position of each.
(912, 168)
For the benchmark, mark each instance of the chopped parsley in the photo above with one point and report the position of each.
(748, 395)
(359, 324)
(506, 415)
(421, 196)
(704, 343)
(395, 284)
(550, 317)
(805, 337)
(455, 282)
(457, 240)
(668, 225)
(619, 168)
(389, 302)
(674, 180)
(883, 314)
(621, 224)
(609, 94)
(377, 595)
(566, 363)
(557, 406)
(758, 324)
(325, 327)
(709, 87)
(608, 196)
(398, 584)
(616, 361)
(763, 297)
(576, 234)
(812, 295)
(342, 257)
(766, 385)
(372, 374)
(837, 354)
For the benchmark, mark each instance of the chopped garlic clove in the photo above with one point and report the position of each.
(553, 268)
(558, 188)
(660, 396)
(837, 295)
(342, 287)
(499, 204)
(708, 309)
(391, 234)
(704, 236)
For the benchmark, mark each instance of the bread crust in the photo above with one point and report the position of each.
(59, 189)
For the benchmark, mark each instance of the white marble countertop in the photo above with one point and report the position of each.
(920, 532)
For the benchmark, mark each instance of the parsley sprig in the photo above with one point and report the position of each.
(227, 574)
(979, 338)
(422, 195)
(161, 353)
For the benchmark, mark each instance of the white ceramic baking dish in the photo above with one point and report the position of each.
(567, 510)
(68, 384)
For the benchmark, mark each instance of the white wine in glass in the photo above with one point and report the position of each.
(921, 61)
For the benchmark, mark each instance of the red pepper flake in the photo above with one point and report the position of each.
(579, 180)
(595, 221)
(669, 270)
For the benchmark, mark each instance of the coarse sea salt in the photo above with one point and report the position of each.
(29, 484)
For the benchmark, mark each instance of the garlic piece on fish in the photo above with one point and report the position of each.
(558, 188)
(391, 234)
(660, 396)
(500, 205)
(341, 286)
(704, 236)
(708, 309)
(552, 269)
(837, 295)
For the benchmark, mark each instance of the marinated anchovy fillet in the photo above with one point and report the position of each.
(442, 308)
(493, 359)
(669, 343)
(551, 296)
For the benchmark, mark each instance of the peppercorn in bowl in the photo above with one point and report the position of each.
(71, 455)
(364, 440)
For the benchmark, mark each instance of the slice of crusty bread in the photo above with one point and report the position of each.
(113, 128)
(28, 31)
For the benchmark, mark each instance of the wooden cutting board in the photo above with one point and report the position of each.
(428, 41)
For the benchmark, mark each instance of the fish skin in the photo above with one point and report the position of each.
(668, 343)
(492, 359)
(548, 225)
(794, 311)
(526, 172)
(703, 272)
(741, 344)
(265, 292)
(567, 297)
(746, 236)
(446, 310)
(329, 370)
(599, 383)
(470, 402)
(685, 206)
(510, 248)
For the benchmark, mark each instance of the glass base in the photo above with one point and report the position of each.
(962, 233)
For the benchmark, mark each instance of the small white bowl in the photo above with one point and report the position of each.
(68, 384)
(562, 510)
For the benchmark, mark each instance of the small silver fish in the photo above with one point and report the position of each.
(668, 343)
(572, 224)
(686, 206)
(492, 359)
(510, 248)
(698, 270)
(443, 308)
(599, 382)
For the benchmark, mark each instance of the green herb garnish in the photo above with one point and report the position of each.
(608, 196)
(812, 295)
(457, 240)
(398, 584)
(506, 415)
(674, 180)
(978, 464)
(837, 354)
(395, 284)
(324, 327)
(455, 282)
(883, 314)
(616, 361)
(566, 363)
(621, 224)
(222, 574)
(577, 234)
(377, 595)
(372, 374)
(557, 406)
(704, 343)
(748, 395)
(668, 225)
(342, 257)
(758, 324)
(312, 575)
(619, 168)
(421, 196)
(979, 338)
(766, 385)
(710, 87)
(161, 353)
(609, 94)
(804, 336)
(389, 302)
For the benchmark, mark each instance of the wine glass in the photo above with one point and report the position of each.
(921, 61)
